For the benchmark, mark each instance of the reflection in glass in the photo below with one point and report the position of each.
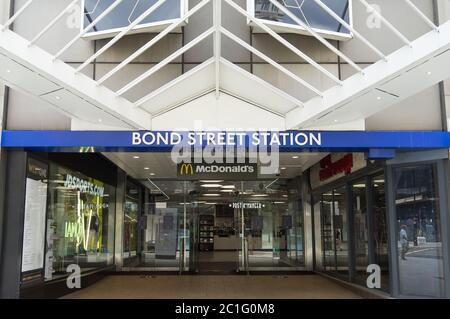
(329, 260)
(360, 235)
(341, 230)
(80, 222)
(126, 12)
(131, 215)
(419, 231)
(335, 232)
(380, 235)
(308, 11)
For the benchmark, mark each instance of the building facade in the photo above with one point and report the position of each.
(360, 205)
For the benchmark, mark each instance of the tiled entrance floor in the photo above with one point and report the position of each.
(220, 287)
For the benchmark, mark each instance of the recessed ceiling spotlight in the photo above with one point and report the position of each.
(211, 185)
(8, 71)
(136, 157)
(146, 168)
(378, 98)
(58, 97)
(295, 157)
(100, 120)
(335, 121)
(152, 174)
(429, 72)
(283, 168)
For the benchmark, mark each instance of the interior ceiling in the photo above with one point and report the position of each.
(157, 166)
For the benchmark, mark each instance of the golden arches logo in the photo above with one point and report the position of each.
(186, 169)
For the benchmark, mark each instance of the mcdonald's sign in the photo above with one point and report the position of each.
(225, 171)
(186, 169)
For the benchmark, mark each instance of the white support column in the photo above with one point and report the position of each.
(217, 18)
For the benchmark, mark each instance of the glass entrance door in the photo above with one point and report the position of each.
(271, 229)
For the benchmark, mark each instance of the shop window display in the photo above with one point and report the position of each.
(80, 222)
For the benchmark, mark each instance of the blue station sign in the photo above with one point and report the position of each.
(164, 141)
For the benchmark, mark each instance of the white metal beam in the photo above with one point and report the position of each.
(52, 23)
(270, 61)
(315, 34)
(406, 72)
(166, 61)
(351, 29)
(284, 42)
(79, 86)
(152, 42)
(89, 27)
(217, 18)
(121, 34)
(16, 15)
(371, 9)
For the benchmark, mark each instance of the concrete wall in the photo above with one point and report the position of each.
(423, 109)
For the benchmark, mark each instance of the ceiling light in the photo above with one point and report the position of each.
(227, 190)
(283, 168)
(135, 157)
(99, 120)
(378, 98)
(228, 186)
(211, 181)
(260, 195)
(152, 174)
(359, 185)
(295, 157)
(335, 121)
(146, 168)
(58, 97)
(211, 195)
(8, 71)
(379, 181)
(279, 202)
(211, 185)
(429, 72)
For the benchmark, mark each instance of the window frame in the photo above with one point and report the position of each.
(282, 27)
(152, 27)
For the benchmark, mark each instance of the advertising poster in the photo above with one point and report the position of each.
(166, 243)
(34, 225)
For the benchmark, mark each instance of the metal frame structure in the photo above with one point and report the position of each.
(368, 91)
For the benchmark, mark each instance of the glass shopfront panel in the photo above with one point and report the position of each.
(80, 222)
(360, 232)
(130, 221)
(419, 237)
(380, 229)
(335, 232)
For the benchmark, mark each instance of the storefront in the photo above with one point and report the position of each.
(337, 213)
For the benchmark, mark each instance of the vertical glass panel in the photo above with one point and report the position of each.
(360, 234)
(341, 230)
(308, 11)
(130, 230)
(419, 231)
(80, 222)
(328, 243)
(380, 235)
